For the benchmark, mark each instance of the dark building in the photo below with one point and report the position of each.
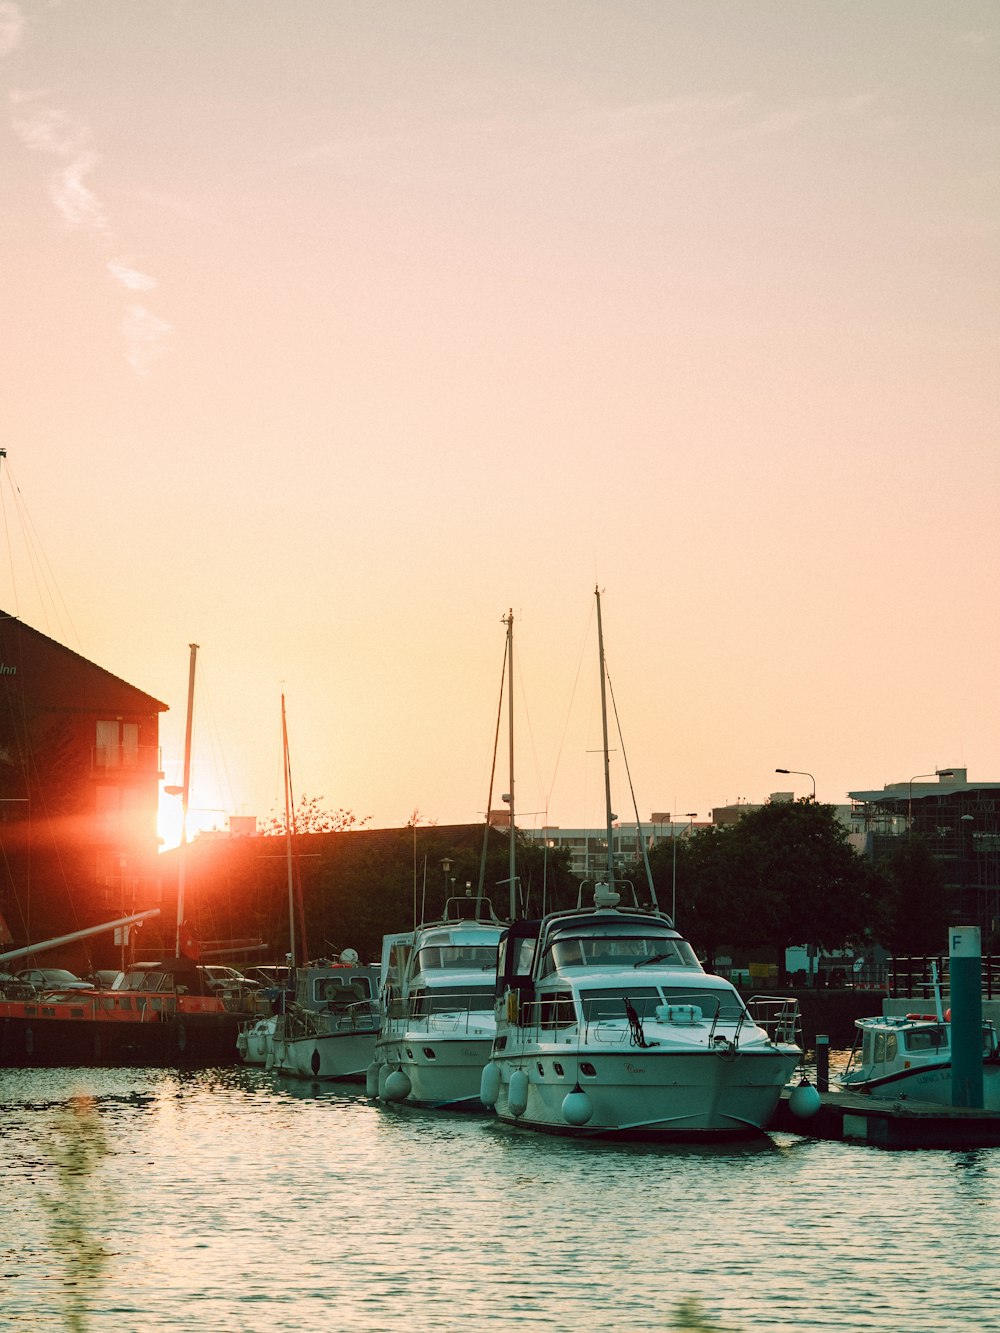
(79, 789)
(960, 821)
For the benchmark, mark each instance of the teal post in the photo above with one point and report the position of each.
(965, 966)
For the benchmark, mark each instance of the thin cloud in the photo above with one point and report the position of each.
(47, 129)
(144, 333)
(44, 128)
(12, 25)
(130, 277)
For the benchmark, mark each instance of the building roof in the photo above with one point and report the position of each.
(44, 668)
(900, 792)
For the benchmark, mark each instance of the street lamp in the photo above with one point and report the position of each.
(800, 773)
(691, 816)
(446, 864)
(938, 773)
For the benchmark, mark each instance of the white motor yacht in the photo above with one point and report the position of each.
(608, 1025)
(437, 1009)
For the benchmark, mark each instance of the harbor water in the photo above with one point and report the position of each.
(229, 1200)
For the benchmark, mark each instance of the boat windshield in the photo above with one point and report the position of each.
(713, 1001)
(475, 999)
(613, 950)
(475, 957)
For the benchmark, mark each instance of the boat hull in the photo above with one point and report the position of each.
(254, 1041)
(324, 1056)
(929, 1084)
(201, 1040)
(647, 1094)
(444, 1070)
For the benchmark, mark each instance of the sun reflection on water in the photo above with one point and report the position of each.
(231, 1200)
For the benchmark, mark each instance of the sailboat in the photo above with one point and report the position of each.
(326, 1027)
(607, 1024)
(437, 985)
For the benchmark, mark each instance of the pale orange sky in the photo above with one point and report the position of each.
(331, 330)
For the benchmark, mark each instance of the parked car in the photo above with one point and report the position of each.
(226, 978)
(104, 979)
(53, 978)
(273, 977)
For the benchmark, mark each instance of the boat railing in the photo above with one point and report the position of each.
(779, 1016)
(451, 1012)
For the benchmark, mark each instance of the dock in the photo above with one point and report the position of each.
(857, 1118)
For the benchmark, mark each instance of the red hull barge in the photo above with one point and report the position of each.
(168, 1016)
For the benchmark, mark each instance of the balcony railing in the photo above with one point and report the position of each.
(105, 759)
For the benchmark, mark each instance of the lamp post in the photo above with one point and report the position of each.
(691, 816)
(938, 773)
(446, 864)
(800, 773)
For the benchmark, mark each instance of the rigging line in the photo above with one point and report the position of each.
(569, 708)
(635, 807)
(6, 529)
(489, 799)
(48, 591)
(216, 748)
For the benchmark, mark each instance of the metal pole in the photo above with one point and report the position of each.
(512, 851)
(288, 836)
(607, 762)
(185, 797)
(965, 966)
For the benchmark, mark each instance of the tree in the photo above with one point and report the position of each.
(917, 906)
(309, 816)
(783, 875)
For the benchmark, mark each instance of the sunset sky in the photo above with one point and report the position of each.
(331, 330)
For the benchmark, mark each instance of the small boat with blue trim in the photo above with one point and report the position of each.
(898, 1057)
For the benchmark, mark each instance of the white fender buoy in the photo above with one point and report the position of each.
(383, 1073)
(517, 1093)
(489, 1084)
(397, 1086)
(804, 1100)
(371, 1078)
(577, 1108)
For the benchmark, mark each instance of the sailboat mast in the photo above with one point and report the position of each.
(288, 833)
(185, 797)
(604, 728)
(511, 851)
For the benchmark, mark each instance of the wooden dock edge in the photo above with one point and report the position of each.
(856, 1118)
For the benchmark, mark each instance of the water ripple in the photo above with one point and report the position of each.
(232, 1201)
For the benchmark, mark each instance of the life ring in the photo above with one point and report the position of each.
(512, 1006)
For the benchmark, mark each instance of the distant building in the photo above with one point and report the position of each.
(79, 788)
(588, 847)
(959, 819)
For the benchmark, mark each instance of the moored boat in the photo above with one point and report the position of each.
(908, 1056)
(437, 1014)
(162, 1014)
(607, 1024)
(327, 1031)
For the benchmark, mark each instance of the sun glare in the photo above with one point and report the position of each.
(199, 820)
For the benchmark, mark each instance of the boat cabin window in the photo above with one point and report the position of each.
(885, 1047)
(556, 1010)
(482, 957)
(925, 1039)
(477, 999)
(340, 990)
(614, 950)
